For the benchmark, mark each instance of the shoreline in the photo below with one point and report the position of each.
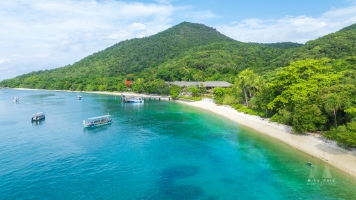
(100, 92)
(310, 143)
(130, 94)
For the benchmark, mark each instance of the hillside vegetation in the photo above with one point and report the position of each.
(311, 87)
(197, 47)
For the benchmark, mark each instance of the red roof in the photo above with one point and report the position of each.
(128, 83)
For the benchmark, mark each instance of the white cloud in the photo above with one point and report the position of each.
(296, 29)
(43, 34)
(340, 12)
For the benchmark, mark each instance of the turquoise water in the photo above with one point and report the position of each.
(158, 150)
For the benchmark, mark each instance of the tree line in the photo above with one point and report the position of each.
(308, 95)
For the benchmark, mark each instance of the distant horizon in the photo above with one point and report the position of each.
(47, 34)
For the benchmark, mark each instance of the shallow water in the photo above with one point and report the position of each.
(155, 150)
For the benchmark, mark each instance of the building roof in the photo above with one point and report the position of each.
(205, 84)
(216, 84)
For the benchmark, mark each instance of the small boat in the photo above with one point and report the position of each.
(38, 116)
(16, 99)
(132, 99)
(97, 121)
(79, 97)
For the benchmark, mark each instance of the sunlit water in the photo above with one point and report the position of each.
(157, 150)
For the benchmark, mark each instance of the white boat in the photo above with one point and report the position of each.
(133, 99)
(97, 121)
(16, 99)
(79, 97)
(38, 116)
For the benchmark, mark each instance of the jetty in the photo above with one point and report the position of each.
(142, 99)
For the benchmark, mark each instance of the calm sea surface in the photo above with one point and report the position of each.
(157, 150)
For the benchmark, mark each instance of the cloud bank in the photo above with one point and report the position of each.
(40, 34)
(290, 29)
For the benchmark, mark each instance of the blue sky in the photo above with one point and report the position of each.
(47, 34)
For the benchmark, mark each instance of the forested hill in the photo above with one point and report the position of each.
(218, 61)
(224, 60)
(340, 46)
(143, 57)
(134, 55)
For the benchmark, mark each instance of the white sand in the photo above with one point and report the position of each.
(310, 143)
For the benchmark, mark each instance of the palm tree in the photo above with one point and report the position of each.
(333, 104)
(247, 80)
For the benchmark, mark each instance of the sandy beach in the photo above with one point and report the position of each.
(311, 143)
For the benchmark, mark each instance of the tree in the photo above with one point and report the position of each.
(333, 104)
(138, 85)
(248, 81)
(174, 91)
(194, 90)
(161, 87)
(307, 117)
(297, 89)
(337, 99)
(80, 87)
(218, 95)
(202, 89)
(102, 87)
(120, 86)
(300, 80)
(90, 87)
(345, 135)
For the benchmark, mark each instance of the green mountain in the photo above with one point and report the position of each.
(199, 47)
(137, 54)
(340, 45)
(187, 51)
(218, 61)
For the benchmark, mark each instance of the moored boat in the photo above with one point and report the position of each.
(38, 116)
(79, 97)
(132, 99)
(97, 121)
(16, 99)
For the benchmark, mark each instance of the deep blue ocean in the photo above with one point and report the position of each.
(156, 150)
